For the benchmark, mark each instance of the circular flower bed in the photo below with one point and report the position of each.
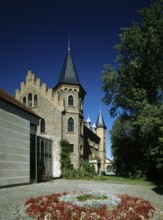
(88, 206)
(91, 199)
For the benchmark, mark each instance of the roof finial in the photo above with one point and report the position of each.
(68, 41)
(100, 107)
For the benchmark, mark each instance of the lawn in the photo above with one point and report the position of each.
(123, 180)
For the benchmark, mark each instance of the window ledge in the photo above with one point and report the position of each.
(71, 106)
(71, 132)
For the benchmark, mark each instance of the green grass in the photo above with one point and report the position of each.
(123, 180)
(115, 179)
(76, 174)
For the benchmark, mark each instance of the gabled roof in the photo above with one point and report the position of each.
(10, 99)
(68, 74)
(100, 121)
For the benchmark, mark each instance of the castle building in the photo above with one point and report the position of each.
(62, 117)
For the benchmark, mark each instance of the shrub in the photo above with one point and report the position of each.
(65, 156)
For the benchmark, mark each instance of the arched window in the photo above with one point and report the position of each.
(81, 149)
(81, 104)
(70, 124)
(24, 100)
(81, 127)
(42, 126)
(70, 100)
(35, 100)
(29, 100)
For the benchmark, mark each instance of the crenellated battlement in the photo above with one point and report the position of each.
(31, 80)
(43, 88)
(38, 83)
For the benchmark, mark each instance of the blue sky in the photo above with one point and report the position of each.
(34, 35)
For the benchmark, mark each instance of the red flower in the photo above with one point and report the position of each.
(130, 208)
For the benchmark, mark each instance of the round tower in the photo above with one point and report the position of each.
(71, 97)
(101, 132)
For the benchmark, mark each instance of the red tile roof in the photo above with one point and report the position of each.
(10, 99)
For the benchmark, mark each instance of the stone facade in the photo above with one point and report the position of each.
(49, 108)
(61, 112)
(101, 132)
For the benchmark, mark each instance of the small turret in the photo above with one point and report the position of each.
(94, 128)
(101, 132)
(100, 121)
(88, 122)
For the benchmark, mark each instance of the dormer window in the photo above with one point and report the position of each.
(70, 100)
(71, 125)
(29, 100)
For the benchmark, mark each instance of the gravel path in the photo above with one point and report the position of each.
(12, 199)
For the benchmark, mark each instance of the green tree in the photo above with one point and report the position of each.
(125, 148)
(134, 89)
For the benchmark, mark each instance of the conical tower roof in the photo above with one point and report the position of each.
(100, 121)
(88, 120)
(68, 74)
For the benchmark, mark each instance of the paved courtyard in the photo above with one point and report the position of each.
(12, 199)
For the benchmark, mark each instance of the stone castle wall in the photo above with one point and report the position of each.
(47, 109)
(52, 105)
